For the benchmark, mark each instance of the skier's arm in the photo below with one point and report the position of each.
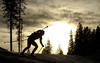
(41, 42)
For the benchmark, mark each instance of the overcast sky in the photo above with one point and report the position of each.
(40, 13)
(43, 12)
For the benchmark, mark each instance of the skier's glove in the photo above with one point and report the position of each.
(42, 45)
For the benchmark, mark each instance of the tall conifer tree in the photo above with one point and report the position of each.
(78, 39)
(10, 12)
(71, 44)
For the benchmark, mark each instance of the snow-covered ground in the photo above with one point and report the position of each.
(7, 57)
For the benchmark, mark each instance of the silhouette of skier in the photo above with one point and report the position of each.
(31, 40)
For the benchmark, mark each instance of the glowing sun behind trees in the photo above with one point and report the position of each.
(58, 33)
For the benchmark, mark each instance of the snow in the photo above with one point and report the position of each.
(7, 57)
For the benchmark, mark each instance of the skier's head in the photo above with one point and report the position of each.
(41, 32)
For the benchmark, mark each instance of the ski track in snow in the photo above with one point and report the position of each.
(7, 57)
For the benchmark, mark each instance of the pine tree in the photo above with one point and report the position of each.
(71, 45)
(10, 12)
(20, 23)
(86, 41)
(97, 37)
(59, 50)
(93, 40)
(78, 40)
(48, 48)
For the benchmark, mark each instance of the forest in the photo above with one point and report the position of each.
(87, 41)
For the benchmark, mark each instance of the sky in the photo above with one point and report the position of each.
(41, 13)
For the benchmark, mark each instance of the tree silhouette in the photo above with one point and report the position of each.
(20, 23)
(93, 39)
(97, 37)
(71, 44)
(48, 48)
(86, 41)
(78, 40)
(59, 50)
(10, 12)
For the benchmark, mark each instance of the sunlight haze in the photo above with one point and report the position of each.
(59, 33)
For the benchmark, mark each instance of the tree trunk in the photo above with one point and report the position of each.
(11, 32)
(19, 23)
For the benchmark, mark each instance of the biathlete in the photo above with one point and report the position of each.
(31, 41)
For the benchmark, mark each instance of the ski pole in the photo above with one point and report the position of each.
(15, 41)
(40, 50)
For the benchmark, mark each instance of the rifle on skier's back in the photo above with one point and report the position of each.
(27, 36)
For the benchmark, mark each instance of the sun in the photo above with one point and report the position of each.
(58, 34)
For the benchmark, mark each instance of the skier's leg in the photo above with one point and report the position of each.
(36, 46)
(28, 46)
